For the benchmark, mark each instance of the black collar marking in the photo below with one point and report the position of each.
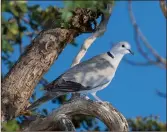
(111, 55)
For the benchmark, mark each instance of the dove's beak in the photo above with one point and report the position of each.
(131, 52)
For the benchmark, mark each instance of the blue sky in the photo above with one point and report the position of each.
(133, 90)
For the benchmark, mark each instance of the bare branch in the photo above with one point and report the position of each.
(114, 120)
(137, 63)
(163, 7)
(88, 42)
(99, 31)
(161, 94)
(147, 63)
(159, 61)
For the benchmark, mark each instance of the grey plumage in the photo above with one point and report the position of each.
(87, 77)
(74, 79)
(45, 98)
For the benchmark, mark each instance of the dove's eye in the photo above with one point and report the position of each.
(123, 45)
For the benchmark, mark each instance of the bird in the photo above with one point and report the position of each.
(88, 76)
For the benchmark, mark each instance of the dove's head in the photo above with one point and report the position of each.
(122, 48)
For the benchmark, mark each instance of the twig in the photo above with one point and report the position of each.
(25, 20)
(163, 7)
(137, 63)
(161, 94)
(159, 61)
(44, 81)
(89, 41)
(19, 34)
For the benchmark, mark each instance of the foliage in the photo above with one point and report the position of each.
(150, 123)
(10, 126)
(21, 21)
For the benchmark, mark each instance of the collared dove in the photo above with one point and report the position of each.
(86, 77)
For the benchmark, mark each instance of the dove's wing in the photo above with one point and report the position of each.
(84, 76)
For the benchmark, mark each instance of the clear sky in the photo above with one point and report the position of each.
(133, 90)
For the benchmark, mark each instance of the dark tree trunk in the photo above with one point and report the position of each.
(19, 83)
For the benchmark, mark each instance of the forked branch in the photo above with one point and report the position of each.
(101, 28)
(138, 35)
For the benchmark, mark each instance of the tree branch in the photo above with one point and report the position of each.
(99, 31)
(163, 7)
(159, 61)
(19, 83)
(114, 120)
(161, 94)
(137, 63)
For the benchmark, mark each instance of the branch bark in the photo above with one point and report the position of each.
(114, 120)
(19, 83)
(64, 123)
(163, 7)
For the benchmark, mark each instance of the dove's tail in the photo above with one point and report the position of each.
(43, 99)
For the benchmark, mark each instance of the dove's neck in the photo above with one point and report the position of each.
(117, 58)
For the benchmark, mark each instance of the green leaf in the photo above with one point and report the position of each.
(22, 5)
(11, 125)
(5, 6)
(66, 15)
(13, 28)
(69, 4)
(13, 8)
(6, 46)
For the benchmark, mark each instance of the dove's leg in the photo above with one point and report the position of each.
(84, 95)
(97, 98)
(87, 98)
